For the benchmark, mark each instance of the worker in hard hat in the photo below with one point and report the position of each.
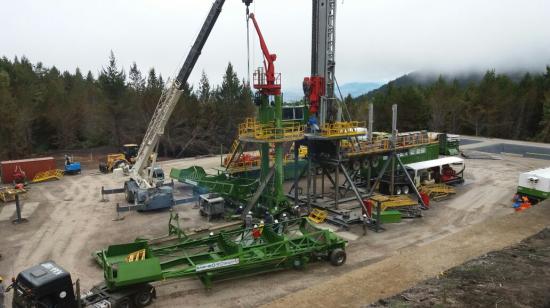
(256, 232)
(277, 227)
(284, 223)
(365, 221)
(211, 244)
(248, 220)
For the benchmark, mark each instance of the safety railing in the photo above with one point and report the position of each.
(383, 144)
(247, 165)
(259, 79)
(342, 129)
(254, 163)
(289, 131)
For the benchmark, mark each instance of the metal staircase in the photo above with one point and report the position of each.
(235, 152)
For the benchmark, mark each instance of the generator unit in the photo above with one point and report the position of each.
(535, 184)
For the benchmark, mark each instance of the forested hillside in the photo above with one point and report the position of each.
(497, 105)
(43, 109)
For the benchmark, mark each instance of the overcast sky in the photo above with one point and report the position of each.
(377, 40)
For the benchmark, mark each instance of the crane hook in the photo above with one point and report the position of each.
(247, 3)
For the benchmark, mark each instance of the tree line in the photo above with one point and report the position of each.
(43, 109)
(497, 106)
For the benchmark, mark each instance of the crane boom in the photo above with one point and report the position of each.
(168, 101)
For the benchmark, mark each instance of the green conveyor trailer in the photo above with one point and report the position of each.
(233, 188)
(226, 254)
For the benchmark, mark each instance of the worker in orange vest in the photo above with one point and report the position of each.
(256, 233)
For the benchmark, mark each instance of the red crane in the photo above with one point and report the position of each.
(266, 81)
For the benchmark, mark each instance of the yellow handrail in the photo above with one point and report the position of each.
(339, 129)
(269, 133)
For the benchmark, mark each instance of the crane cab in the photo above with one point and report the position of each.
(130, 152)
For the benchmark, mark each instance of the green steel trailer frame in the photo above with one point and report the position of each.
(236, 189)
(227, 254)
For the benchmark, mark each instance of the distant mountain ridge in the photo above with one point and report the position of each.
(424, 78)
(354, 89)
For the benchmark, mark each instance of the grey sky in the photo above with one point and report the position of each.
(377, 40)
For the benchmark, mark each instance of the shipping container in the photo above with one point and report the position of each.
(30, 166)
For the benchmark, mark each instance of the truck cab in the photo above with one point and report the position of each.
(43, 285)
(48, 285)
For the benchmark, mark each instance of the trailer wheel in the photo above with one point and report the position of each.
(337, 257)
(143, 298)
(124, 303)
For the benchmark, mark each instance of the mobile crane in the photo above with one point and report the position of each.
(144, 189)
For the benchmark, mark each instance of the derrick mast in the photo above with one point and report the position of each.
(319, 87)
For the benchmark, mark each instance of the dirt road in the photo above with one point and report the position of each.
(414, 264)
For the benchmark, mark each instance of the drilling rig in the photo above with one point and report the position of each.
(269, 129)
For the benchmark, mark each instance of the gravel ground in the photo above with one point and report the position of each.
(518, 276)
(69, 222)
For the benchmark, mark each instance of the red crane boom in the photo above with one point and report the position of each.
(267, 82)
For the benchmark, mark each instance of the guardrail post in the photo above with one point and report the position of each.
(19, 219)
(103, 199)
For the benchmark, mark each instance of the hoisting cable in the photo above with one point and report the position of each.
(248, 45)
(247, 3)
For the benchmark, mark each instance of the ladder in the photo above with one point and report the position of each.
(236, 151)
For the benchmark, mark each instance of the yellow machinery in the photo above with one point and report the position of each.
(118, 160)
(112, 162)
(318, 216)
(393, 202)
(130, 152)
(136, 256)
(438, 191)
(55, 174)
(8, 194)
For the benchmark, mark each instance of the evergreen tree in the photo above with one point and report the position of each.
(113, 83)
(137, 82)
(204, 89)
(230, 89)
